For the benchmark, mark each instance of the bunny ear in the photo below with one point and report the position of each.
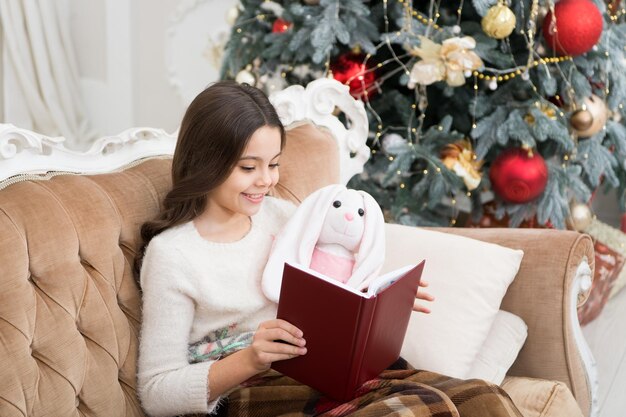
(371, 255)
(297, 239)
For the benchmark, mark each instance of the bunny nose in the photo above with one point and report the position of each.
(349, 217)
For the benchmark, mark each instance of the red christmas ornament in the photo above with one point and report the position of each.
(577, 27)
(518, 176)
(349, 69)
(281, 25)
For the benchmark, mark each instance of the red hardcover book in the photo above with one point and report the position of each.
(351, 336)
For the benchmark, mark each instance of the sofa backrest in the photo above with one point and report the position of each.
(70, 309)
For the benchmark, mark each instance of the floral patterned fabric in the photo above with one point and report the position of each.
(218, 344)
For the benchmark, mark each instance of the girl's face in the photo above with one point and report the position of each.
(254, 174)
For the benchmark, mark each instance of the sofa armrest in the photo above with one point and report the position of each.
(544, 294)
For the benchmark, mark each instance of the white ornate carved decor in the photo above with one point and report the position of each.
(318, 103)
(194, 44)
(25, 152)
(579, 291)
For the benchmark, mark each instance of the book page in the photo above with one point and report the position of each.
(376, 286)
(330, 280)
(383, 281)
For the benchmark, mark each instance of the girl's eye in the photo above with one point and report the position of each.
(276, 165)
(248, 168)
(337, 204)
(361, 212)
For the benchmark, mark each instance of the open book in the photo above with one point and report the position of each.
(351, 336)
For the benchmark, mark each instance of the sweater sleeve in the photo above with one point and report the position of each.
(167, 384)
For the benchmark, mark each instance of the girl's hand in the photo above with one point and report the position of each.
(275, 340)
(421, 295)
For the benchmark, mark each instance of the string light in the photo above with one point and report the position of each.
(511, 74)
(475, 103)
(458, 12)
(425, 20)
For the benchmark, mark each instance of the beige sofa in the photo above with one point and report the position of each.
(70, 309)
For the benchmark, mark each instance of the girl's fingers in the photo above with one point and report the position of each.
(276, 348)
(423, 283)
(424, 296)
(282, 324)
(281, 334)
(281, 357)
(420, 308)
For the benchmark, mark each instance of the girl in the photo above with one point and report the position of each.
(207, 250)
(201, 272)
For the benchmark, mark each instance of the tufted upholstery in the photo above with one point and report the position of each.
(69, 306)
(70, 310)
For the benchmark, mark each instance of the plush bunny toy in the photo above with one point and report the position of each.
(336, 231)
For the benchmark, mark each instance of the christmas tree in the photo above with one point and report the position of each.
(515, 107)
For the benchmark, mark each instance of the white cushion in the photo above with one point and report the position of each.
(504, 341)
(468, 279)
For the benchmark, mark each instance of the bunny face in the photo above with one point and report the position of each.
(345, 221)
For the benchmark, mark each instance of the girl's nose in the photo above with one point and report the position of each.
(265, 178)
(348, 216)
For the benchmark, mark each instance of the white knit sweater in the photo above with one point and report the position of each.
(192, 287)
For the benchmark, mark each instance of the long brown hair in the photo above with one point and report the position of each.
(213, 135)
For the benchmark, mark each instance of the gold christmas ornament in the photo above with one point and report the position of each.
(460, 158)
(580, 216)
(590, 118)
(581, 120)
(499, 21)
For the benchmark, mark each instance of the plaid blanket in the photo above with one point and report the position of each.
(399, 391)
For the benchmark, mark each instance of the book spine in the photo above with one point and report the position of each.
(364, 324)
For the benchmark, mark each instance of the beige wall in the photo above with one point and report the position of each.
(156, 103)
(120, 52)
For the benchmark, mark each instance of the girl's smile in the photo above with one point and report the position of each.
(254, 198)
